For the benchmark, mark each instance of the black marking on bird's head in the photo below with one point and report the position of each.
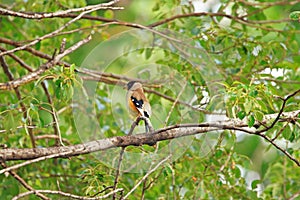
(130, 84)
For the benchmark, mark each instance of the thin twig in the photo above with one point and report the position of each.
(28, 49)
(30, 15)
(56, 137)
(146, 175)
(174, 103)
(280, 131)
(23, 107)
(294, 196)
(36, 74)
(67, 194)
(53, 113)
(279, 113)
(97, 7)
(240, 20)
(145, 187)
(197, 108)
(33, 161)
(133, 125)
(23, 182)
(101, 191)
(18, 60)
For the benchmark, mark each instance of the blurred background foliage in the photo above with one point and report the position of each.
(256, 60)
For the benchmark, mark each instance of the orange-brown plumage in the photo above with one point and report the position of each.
(137, 103)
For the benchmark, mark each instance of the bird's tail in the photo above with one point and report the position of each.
(148, 125)
(149, 129)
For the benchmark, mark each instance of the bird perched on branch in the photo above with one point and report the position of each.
(137, 103)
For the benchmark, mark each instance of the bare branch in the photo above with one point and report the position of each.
(23, 182)
(294, 196)
(7, 169)
(36, 74)
(241, 20)
(133, 125)
(18, 60)
(174, 103)
(56, 137)
(53, 112)
(279, 113)
(23, 106)
(115, 79)
(67, 194)
(94, 8)
(28, 49)
(269, 3)
(197, 108)
(167, 133)
(30, 15)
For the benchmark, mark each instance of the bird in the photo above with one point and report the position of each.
(137, 103)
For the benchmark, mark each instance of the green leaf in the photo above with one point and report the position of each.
(237, 172)
(255, 183)
(72, 68)
(251, 120)
(109, 14)
(287, 133)
(167, 170)
(156, 7)
(148, 53)
(195, 31)
(38, 46)
(253, 93)
(219, 153)
(248, 105)
(295, 15)
(262, 105)
(241, 115)
(258, 115)
(219, 183)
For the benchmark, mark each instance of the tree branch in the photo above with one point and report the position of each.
(146, 175)
(280, 112)
(23, 182)
(241, 20)
(91, 9)
(133, 125)
(18, 94)
(67, 194)
(31, 15)
(36, 74)
(44, 86)
(7, 169)
(167, 133)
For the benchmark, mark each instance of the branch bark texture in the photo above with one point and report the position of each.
(167, 133)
